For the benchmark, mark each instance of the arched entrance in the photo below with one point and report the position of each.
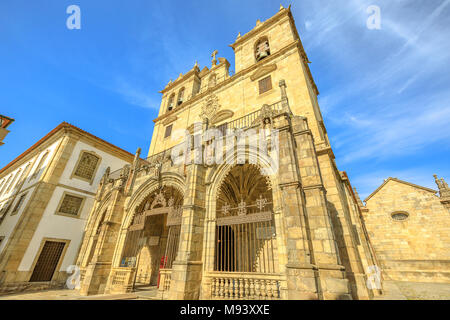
(245, 231)
(152, 239)
(245, 246)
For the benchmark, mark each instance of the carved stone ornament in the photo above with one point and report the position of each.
(159, 200)
(222, 115)
(169, 120)
(262, 71)
(210, 107)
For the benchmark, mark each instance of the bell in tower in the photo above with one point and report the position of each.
(262, 49)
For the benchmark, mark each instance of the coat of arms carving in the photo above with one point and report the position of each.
(210, 107)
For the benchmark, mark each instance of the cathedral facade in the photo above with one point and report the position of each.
(240, 196)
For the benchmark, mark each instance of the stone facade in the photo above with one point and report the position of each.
(317, 247)
(273, 222)
(409, 228)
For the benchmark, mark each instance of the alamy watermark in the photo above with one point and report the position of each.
(374, 20)
(232, 146)
(373, 278)
(74, 20)
(73, 281)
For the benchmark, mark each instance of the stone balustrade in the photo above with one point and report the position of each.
(245, 286)
(165, 276)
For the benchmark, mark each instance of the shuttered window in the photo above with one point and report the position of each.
(265, 84)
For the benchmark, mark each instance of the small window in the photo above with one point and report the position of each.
(1, 240)
(180, 96)
(265, 84)
(170, 103)
(70, 205)
(400, 216)
(5, 184)
(13, 181)
(18, 204)
(40, 165)
(168, 131)
(5, 209)
(262, 49)
(87, 166)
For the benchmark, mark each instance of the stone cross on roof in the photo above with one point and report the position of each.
(213, 55)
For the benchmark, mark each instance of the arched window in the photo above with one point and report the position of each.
(400, 216)
(180, 96)
(170, 102)
(262, 49)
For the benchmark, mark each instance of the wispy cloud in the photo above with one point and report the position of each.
(132, 95)
(384, 93)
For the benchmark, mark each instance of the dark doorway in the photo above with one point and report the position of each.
(47, 261)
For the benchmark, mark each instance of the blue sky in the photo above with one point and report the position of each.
(384, 93)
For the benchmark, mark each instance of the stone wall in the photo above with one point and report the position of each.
(415, 249)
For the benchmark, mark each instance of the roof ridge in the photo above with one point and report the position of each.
(401, 181)
(63, 124)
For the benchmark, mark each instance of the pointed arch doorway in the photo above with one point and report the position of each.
(152, 239)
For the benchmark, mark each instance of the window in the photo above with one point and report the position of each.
(400, 216)
(4, 186)
(18, 204)
(262, 49)
(168, 131)
(5, 209)
(70, 205)
(265, 84)
(13, 181)
(24, 173)
(180, 96)
(87, 165)
(170, 103)
(40, 165)
(1, 240)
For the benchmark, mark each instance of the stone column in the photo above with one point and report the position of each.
(331, 279)
(300, 272)
(187, 268)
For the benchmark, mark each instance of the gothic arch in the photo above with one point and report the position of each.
(147, 188)
(214, 181)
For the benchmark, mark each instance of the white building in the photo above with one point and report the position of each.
(46, 195)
